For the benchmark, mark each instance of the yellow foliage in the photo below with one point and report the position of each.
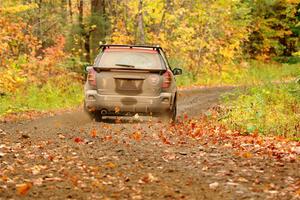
(19, 8)
(10, 80)
(200, 34)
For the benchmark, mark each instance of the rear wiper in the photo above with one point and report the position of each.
(124, 65)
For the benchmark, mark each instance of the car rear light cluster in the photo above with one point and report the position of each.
(167, 79)
(91, 77)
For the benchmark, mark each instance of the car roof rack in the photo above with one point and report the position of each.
(154, 47)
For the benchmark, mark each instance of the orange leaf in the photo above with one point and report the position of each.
(117, 109)
(137, 136)
(110, 165)
(165, 140)
(247, 155)
(93, 133)
(22, 189)
(108, 137)
(74, 180)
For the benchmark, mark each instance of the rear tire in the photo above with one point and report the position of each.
(170, 115)
(173, 112)
(94, 115)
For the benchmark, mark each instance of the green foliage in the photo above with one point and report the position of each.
(275, 28)
(74, 64)
(56, 93)
(245, 73)
(269, 109)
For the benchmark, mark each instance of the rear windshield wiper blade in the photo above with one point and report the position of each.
(125, 65)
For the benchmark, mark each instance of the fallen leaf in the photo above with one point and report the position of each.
(4, 178)
(38, 181)
(36, 170)
(205, 168)
(107, 137)
(117, 109)
(170, 156)
(136, 116)
(110, 165)
(2, 132)
(148, 179)
(74, 180)
(152, 178)
(61, 136)
(78, 140)
(242, 179)
(137, 136)
(22, 189)
(185, 116)
(228, 145)
(93, 133)
(297, 150)
(214, 185)
(247, 155)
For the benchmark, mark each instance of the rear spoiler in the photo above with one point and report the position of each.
(99, 69)
(107, 46)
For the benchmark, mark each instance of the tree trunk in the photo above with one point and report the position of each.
(98, 6)
(140, 31)
(63, 4)
(98, 18)
(167, 9)
(80, 15)
(39, 2)
(87, 47)
(70, 11)
(63, 7)
(81, 26)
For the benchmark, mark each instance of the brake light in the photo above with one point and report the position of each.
(91, 77)
(167, 79)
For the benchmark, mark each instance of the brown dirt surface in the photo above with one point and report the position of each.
(68, 156)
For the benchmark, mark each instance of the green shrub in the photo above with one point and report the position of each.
(253, 72)
(270, 109)
(62, 92)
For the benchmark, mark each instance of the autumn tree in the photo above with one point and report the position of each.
(140, 38)
(275, 28)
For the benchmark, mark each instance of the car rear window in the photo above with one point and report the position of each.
(138, 59)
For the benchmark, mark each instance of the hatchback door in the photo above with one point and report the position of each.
(129, 82)
(129, 71)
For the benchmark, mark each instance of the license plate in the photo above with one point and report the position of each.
(129, 84)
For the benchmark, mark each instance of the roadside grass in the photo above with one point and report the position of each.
(62, 92)
(271, 109)
(251, 73)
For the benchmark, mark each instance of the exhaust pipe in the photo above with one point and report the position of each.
(103, 112)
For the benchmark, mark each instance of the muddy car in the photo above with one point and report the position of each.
(125, 80)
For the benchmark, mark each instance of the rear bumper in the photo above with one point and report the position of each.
(131, 104)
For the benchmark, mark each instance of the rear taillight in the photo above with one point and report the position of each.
(167, 79)
(91, 77)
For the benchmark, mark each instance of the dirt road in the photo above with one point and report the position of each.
(70, 157)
